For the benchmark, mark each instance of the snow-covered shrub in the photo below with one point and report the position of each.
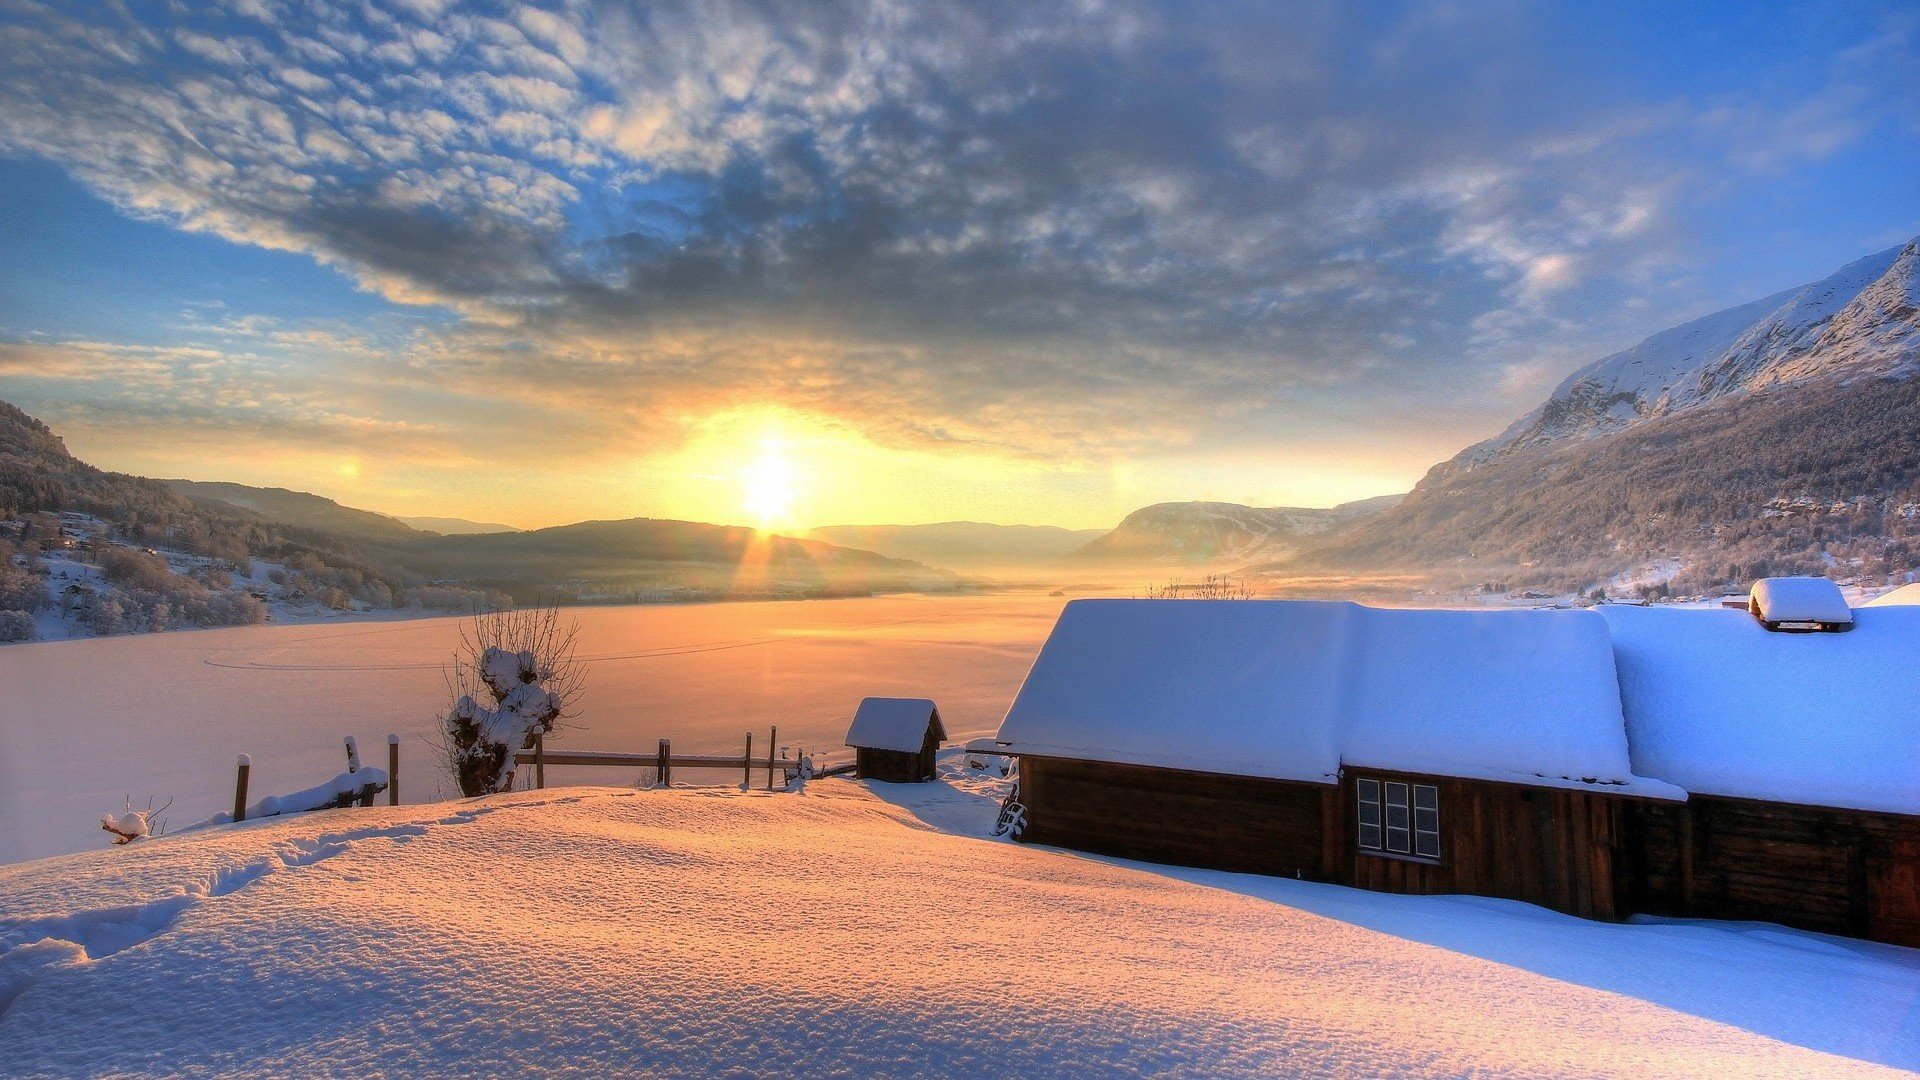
(16, 626)
(21, 589)
(512, 680)
(130, 824)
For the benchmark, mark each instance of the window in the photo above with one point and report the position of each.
(1395, 817)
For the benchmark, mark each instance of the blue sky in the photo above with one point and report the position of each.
(542, 262)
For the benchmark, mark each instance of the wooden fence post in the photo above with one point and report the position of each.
(665, 776)
(540, 759)
(746, 761)
(245, 766)
(393, 770)
(773, 740)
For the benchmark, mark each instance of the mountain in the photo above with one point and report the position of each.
(649, 558)
(298, 508)
(1859, 321)
(1200, 533)
(968, 544)
(447, 526)
(1773, 437)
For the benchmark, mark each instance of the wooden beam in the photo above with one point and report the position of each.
(691, 761)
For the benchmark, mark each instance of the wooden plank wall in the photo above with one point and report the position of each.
(1170, 816)
(1546, 846)
(1817, 868)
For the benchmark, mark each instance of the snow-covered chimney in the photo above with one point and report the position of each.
(1799, 604)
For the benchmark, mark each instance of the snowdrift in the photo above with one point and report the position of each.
(694, 932)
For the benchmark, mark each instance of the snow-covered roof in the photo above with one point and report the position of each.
(885, 723)
(1902, 596)
(1720, 706)
(1800, 600)
(1292, 690)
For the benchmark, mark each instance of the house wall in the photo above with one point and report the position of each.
(1546, 846)
(893, 766)
(1817, 868)
(1172, 816)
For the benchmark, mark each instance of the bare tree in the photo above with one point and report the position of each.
(513, 679)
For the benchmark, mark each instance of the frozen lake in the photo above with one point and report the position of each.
(86, 724)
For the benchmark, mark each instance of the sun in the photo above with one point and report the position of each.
(770, 485)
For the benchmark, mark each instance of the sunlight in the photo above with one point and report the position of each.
(771, 485)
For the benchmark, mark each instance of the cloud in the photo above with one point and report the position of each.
(1088, 231)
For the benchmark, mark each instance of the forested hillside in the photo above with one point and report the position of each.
(1819, 479)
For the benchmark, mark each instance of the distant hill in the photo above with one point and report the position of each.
(1774, 437)
(447, 526)
(642, 558)
(298, 508)
(1217, 533)
(241, 542)
(964, 544)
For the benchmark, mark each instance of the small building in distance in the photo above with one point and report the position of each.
(894, 739)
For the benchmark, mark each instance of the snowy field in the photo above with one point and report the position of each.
(854, 931)
(85, 724)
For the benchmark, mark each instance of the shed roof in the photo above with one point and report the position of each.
(883, 723)
(1292, 690)
(1720, 706)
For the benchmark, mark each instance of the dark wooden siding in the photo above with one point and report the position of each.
(1817, 868)
(1546, 846)
(1171, 816)
(1541, 845)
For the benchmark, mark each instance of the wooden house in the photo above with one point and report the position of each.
(1412, 751)
(894, 739)
(1636, 760)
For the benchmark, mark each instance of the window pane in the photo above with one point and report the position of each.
(1399, 836)
(1369, 814)
(1426, 821)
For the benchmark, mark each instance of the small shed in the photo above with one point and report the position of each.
(894, 739)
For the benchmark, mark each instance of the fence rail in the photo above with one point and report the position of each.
(663, 760)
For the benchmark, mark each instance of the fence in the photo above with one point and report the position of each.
(663, 760)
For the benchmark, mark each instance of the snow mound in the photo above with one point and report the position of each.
(700, 933)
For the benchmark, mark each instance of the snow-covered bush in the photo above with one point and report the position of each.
(512, 680)
(130, 824)
(16, 626)
(21, 588)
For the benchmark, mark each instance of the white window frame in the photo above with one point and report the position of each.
(1397, 818)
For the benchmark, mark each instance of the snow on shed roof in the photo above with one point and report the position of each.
(1800, 599)
(888, 723)
(1291, 690)
(1720, 706)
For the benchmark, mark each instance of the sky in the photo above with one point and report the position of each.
(811, 263)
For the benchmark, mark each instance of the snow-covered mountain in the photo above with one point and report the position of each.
(1777, 437)
(1864, 319)
(1220, 532)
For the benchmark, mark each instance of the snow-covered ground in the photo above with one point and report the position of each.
(856, 930)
